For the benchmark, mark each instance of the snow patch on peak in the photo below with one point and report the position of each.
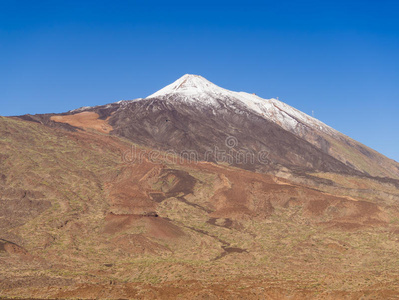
(190, 84)
(301, 117)
(80, 109)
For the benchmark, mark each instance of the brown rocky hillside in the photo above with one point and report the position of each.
(79, 220)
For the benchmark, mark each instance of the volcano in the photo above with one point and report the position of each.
(194, 192)
(193, 114)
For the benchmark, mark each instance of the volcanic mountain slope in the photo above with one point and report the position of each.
(89, 209)
(78, 220)
(193, 114)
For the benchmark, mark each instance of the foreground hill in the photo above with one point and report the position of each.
(79, 219)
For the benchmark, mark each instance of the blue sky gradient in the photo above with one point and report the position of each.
(337, 58)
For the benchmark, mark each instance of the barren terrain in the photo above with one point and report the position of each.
(79, 221)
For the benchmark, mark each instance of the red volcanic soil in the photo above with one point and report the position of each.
(84, 120)
(156, 227)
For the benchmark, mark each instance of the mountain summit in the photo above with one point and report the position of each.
(193, 114)
(189, 85)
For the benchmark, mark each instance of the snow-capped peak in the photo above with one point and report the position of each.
(198, 91)
(190, 84)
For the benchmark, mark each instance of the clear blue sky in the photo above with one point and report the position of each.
(337, 58)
